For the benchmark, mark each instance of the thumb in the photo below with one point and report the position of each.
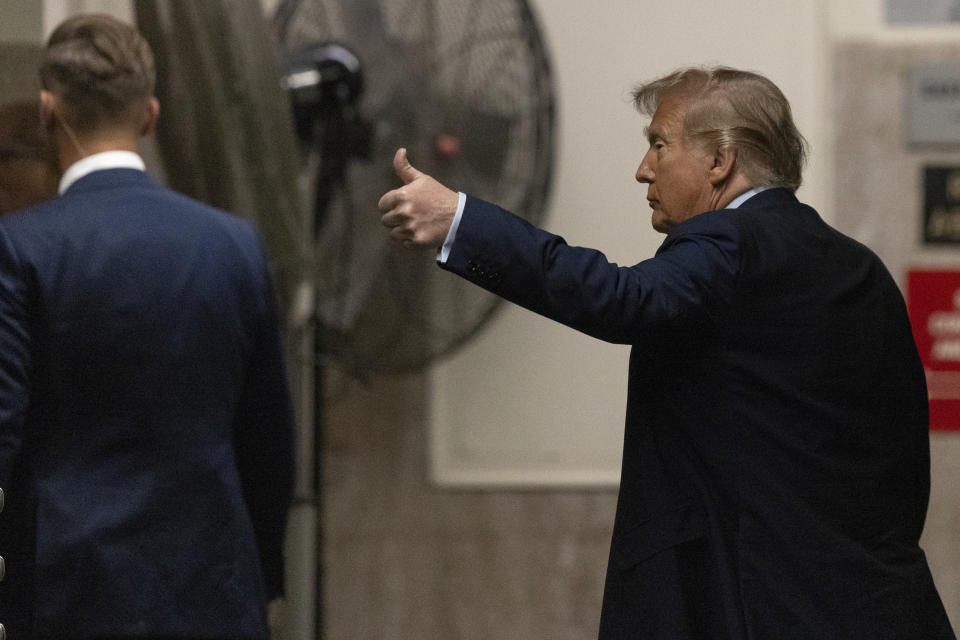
(403, 167)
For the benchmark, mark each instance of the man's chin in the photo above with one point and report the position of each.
(659, 223)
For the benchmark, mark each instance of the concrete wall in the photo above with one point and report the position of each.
(878, 197)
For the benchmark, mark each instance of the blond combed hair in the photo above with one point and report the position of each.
(102, 68)
(742, 110)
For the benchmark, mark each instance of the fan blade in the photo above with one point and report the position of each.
(481, 142)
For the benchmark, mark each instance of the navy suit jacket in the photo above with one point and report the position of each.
(776, 453)
(146, 429)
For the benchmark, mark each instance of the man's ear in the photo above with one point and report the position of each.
(150, 121)
(48, 107)
(724, 164)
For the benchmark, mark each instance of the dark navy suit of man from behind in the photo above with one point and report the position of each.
(776, 454)
(145, 422)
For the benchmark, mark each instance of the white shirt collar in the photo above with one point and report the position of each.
(743, 197)
(97, 162)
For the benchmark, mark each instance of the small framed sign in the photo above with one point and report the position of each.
(941, 205)
(925, 12)
(934, 104)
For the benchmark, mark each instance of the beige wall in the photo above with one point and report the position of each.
(552, 413)
(56, 10)
(21, 22)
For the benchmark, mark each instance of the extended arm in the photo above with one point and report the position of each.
(694, 269)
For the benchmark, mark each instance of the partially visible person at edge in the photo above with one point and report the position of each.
(776, 455)
(28, 175)
(28, 164)
(146, 428)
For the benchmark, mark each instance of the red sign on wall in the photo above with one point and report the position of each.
(933, 298)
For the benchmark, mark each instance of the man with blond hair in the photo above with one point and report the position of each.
(145, 422)
(776, 454)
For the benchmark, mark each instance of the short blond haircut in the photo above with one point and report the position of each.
(737, 109)
(101, 67)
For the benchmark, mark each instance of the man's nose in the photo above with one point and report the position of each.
(644, 172)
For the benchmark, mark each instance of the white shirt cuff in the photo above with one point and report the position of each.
(452, 233)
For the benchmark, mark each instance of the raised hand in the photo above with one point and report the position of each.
(419, 213)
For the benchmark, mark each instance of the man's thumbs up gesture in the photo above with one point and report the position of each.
(420, 212)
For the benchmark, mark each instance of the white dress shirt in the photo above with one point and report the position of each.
(97, 162)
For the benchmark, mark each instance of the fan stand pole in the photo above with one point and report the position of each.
(298, 617)
(319, 416)
(330, 178)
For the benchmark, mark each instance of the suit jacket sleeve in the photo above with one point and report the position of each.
(695, 269)
(264, 440)
(15, 357)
